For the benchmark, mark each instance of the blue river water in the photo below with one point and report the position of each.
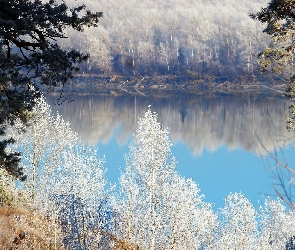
(222, 143)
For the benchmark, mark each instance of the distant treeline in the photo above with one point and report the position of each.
(172, 37)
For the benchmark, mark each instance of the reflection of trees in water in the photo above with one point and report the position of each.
(199, 122)
(236, 123)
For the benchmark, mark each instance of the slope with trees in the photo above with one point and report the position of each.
(65, 179)
(160, 209)
(183, 37)
(280, 20)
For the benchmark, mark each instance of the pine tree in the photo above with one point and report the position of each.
(31, 59)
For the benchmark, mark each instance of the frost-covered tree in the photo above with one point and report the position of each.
(238, 228)
(64, 177)
(272, 226)
(190, 222)
(41, 145)
(148, 166)
(156, 207)
(214, 37)
(279, 59)
(160, 209)
(277, 225)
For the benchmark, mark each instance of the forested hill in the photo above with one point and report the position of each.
(172, 37)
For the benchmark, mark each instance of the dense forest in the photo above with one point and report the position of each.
(215, 38)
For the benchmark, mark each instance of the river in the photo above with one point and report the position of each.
(221, 142)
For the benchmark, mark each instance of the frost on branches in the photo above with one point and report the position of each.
(155, 208)
(238, 228)
(54, 159)
(64, 177)
(159, 209)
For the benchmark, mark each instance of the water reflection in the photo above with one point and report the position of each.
(201, 123)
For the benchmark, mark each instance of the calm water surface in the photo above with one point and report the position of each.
(217, 141)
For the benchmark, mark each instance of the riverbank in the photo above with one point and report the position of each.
(163, 86)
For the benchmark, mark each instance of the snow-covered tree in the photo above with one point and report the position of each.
(29, 31)
(190, 222)
(277, 225)
(160, 209)
(64, 177)
(156, 208)
(238, 228)
(41, 146)
(213, 37)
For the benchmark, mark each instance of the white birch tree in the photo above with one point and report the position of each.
(41, 145)
(65, 179)
(277, 225)
(148, 166)
(190, 222)
(238, 228)
(160, 209)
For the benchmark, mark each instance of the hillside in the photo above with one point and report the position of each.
(170, 37)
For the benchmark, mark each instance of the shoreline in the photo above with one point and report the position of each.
(163, 86)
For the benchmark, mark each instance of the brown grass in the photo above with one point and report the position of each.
(24, 229)
(124, 245)
(119, 244)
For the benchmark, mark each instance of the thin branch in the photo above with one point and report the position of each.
(290, 204)
(25, 44)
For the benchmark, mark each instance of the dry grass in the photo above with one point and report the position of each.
(123, 245)
(119, 244)
(24, 229)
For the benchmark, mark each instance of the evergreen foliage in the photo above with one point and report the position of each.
(279, 18)
(30, 57)
(278, 58)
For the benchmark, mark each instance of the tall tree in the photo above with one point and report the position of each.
(276, 224)
(30, 58)
(238, 228)
(279, 17)
(160, 209)
(54, 159)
